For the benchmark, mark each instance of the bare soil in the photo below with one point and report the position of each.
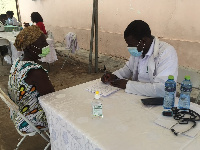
(73, 73)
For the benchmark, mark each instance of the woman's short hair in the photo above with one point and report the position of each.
(36, 17)
(137, 29)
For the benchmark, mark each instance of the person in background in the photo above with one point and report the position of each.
(11, 20)
(37, 18)
(3, 18)
(28, 80)
(150, 63)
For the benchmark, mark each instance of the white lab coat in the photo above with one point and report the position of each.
(162, 63)
(14, 21)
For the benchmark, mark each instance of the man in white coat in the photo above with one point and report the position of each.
(150, 63)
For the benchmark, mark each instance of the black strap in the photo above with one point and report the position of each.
(180, 115)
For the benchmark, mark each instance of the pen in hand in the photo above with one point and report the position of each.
(104, 68)
(106, 75)
(109, 77)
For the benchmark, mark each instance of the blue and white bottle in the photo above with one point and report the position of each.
(186, 88)
(170, 90)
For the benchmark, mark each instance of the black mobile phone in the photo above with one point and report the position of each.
(153, 101)
(167, 113)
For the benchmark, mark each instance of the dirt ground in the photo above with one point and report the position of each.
(73, 73)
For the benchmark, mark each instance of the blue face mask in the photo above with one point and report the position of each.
(134, 52)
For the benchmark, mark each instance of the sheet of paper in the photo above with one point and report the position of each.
(104, 89)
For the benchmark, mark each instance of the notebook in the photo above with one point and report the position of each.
(104, 89)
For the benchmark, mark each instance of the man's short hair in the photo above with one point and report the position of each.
(10, 13)
(138, 29)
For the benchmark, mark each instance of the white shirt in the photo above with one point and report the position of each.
(14, 21)
(143, 75)
(162, 63)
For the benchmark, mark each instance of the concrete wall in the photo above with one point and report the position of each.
(174, 21)
(6, 5)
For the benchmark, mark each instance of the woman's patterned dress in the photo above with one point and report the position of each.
(25, 96)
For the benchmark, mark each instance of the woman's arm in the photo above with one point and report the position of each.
(40, 79)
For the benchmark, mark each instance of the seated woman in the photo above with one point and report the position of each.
(11, 20)
(37, 18)
(28, 80)
(3, 18)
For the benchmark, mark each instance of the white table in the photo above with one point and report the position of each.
(50, 58)
(127, 123)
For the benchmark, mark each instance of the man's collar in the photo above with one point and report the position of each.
(149, 53)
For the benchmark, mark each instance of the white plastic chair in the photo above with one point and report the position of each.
(70, 41)
(15, 108)
(194, 75)
(50, 35)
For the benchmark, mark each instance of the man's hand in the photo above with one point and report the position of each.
(108, 77)
(120, 83)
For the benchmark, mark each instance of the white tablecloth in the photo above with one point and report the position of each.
(127, 123)
(50, 58)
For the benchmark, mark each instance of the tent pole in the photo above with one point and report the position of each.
(18, 12)
(96, 36)
(91, 40)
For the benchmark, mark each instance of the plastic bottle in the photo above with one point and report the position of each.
(186, 88)
(13, 31)
(170, 90)
(97, 106)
